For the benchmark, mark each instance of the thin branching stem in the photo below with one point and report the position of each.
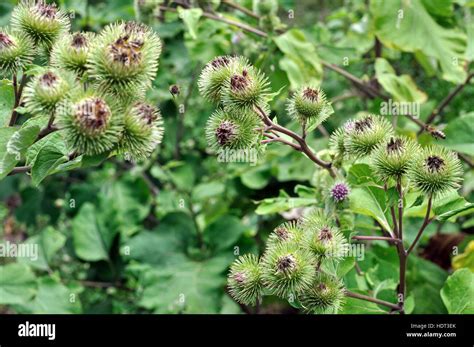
(426, 222)
(371, 299)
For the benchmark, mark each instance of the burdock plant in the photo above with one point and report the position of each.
(143, 131)
(237, 131)
(123, 59)
(245, 88)
(392, 158)
(365, 134)
(309, 106)
(214, 75)
(16, 51)
(325, 295)
(302, 257)
(71, 52)
(43, 93)
(435, 171)
(245, 280)
(287, 269)
(44, 23)
(92, 122)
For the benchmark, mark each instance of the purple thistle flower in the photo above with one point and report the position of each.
(339, 192)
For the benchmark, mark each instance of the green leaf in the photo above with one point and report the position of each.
(186, 287)
(47, 161)
(224, 233)
(407, 26)
(424, 282)
(459, 134)
(450, 206)
(360, 174)
(207, 190)
(52, 298)
(126, 202)
(190, 18)
(401, 88)
(370, 201)
(465, 259)
(257, 177)
(281, 204)
(13, 145)
(167, 244)
(53, 140)
(458, 292)
(49, 242)
(17, 283)
(7, 101)
(92, 240)
(357, 306)
(301, 61)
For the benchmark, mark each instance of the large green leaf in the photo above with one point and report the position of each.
(406, 25)
(166, 245)
(17, 283)
(224, 233)
(187, 287)
(300, 59)
(46, 156)
(465, 259)
(92, 239)
(459, 134)
(458, 292)
(370, 201)
(282, 203)
(125, 203)
(52, 298)
(357, 306)
(401, 88)
(49, 242)
(424, 282)
(256, 177)
(13, 145)
(7, 101)
(208, 190)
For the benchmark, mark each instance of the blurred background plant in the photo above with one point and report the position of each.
(159, 236)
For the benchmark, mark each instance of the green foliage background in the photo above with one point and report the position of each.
(109, 243)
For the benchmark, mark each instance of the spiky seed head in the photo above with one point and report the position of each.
(215, 74)
(244, 281)
(338, 139)
(44, 23)
(286, 232)
(92, 122)
(315, 218)
(246, 88)
(287, 269)
(47, 89)
(234, 131)
(321, 237)
(143, 131)
(366, 133)
(16, 52)
(326, 242)
(325, 295)
(309, 105)
(71, 51)
(435, 171)
(124, 59)
(340, 191)
(392, 157)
